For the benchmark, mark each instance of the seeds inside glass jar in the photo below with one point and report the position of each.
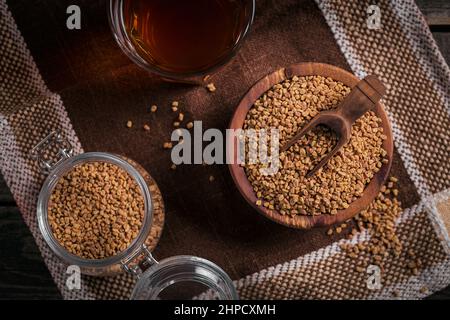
(96, 210)
(289, 106)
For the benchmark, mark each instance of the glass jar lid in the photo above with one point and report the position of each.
(184, 278)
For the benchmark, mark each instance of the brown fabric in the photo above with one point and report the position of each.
(102, 90)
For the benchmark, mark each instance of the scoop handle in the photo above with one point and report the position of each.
(363, 97)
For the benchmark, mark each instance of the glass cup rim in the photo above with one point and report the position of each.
(44, 197)
(121, 37)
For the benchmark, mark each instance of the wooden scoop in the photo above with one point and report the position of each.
(363, 97)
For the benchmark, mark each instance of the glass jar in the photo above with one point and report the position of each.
(153, 44)
(55, 157)
(184, 277)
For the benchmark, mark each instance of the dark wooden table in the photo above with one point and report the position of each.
(23, 274)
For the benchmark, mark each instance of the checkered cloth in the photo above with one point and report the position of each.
(402, 52)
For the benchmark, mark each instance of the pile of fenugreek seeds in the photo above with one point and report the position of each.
(379, 221)
(289, 106)
(96, 210)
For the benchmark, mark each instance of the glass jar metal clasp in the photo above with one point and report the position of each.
(51, 151)
(137, 263)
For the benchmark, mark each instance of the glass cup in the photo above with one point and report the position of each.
(181, 41)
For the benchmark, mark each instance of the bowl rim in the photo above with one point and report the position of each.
(238, 174)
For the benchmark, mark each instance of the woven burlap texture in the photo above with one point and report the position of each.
(402, 53)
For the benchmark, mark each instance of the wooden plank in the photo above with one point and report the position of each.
(444, 294)
(443, 42)
(436, 12)
(5, 196)
(23, 274)
(437, 21)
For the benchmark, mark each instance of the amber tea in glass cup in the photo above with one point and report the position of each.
(180, 39)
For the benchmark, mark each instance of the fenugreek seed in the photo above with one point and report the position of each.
(176, 124)
(189, 125)
(258, 202)
(290, 105)
(338, 230)
(379, 220)
(211, 87)
(359, 269)
(181, 117)
(129, 124)
(154, 108)
(393, 179)
(167, 145)
(330, 232)
(211, 178)
(92, 233)
(174, 109)
(146, 127)
(173, 166)
(175, 104)
(378, 258)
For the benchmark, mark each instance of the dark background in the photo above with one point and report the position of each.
(23, 274)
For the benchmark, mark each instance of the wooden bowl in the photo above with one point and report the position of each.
(238, 173)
